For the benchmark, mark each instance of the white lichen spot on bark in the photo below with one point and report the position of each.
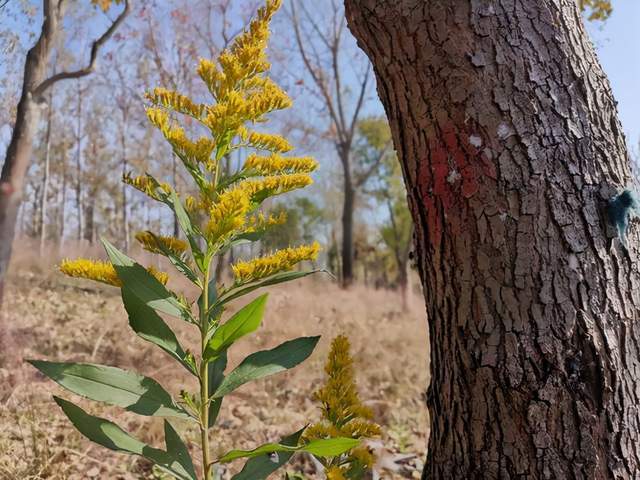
(453, 176)
(475, 140)
(504, 131)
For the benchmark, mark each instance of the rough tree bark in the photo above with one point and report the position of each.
(510, 144)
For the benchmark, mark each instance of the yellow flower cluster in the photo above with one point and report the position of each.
(191, 153)
(265, 141)
(101, 271)
(335, 473)
(146, 185)
(176, 102)
(275, 185)
(157, 243)
(276, 164)
(280, 261)
(228, 215)
(245, 58)
(237, 108)
(343, 413)
(259, 222)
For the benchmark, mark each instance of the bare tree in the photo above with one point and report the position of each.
(321, 49)
(35, 84)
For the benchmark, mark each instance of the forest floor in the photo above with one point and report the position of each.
(55, 318)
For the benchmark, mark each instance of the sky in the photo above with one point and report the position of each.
(618, 44)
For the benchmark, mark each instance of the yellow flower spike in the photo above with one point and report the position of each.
(162, 277)
(97, 270)
(146, 185)
(155, 243)
(227, 215)
(101, 271)
(267, 141)
(280, 261)
(275, 185)
(259, 222)
(276, 164)
(175, 101)
(335, 473)
(343, 414)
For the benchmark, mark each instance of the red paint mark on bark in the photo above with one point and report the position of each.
(453, 172)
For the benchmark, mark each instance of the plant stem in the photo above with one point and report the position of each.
(204, 377)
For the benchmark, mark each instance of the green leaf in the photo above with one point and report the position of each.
(150, 326)
(260, 467)
(325, 447)
(267, 362)
(272, 280)
(178, 449)
(144, 285)
(216, 376)
(245, 321)
(129, 390)
(111, 436)
(189, 230)
(330, 447)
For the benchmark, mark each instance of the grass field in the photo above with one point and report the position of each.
(55, 318)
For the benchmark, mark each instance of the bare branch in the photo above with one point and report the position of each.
(356, 112)
(316, 74)
(364, 176)
(95, 48)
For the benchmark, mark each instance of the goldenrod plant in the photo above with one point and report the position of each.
(343, 416)
(225, 213)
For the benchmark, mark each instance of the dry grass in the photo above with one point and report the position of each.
(55, 318)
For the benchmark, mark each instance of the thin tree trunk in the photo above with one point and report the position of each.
(45, 177)
(125, 168)
(508, 136)
(348, 206)
(89, 218)
(63, 200)
(79, 179)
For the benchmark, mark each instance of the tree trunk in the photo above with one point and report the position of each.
(63, 200)
(89, 218)
(45, 177)
(79, 179)
(347, 223)
(508, 136)
(125, 168)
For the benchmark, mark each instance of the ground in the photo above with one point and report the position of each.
(56, 318)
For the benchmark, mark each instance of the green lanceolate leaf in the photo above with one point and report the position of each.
(267, 362)
(216, 376)
(189, 230)
(143, 285)
(329, 447)
(260, 467)
(178, 449)
(272, 280)
(111, 436)
(129, 390)
(151, 327)
(245, 321)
